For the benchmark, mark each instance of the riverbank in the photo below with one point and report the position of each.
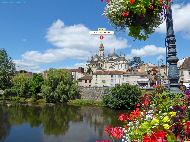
(41, 102)
(80, 102)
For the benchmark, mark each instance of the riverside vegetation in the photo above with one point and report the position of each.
(57, 87)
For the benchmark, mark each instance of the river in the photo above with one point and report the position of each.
(54, 123)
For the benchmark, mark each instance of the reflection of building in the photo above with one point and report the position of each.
(185, 71)
(111, 62)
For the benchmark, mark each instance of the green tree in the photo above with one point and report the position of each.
(36, 84)
(21, 84)
(7, 70)
(123, 96)
(59, 86)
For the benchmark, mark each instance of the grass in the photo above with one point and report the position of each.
(80, 102)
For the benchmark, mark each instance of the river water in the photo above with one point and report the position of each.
(54, 123)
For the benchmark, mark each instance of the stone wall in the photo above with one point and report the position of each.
(93, 93)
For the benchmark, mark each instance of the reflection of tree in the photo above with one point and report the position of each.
(4, 124)
(55, 119)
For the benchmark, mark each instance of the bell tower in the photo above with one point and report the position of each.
(101, 51)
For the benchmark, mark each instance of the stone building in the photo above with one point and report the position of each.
(185, 72)
(112, 78)
(109, 63)
(85, 81)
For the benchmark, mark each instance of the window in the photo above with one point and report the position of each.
(85, 81)
(189, 72)
(103, 81)
(89, 81)
(111, 75)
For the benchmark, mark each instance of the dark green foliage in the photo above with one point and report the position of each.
(36, 84)
(7, 70)
(123, 97)
(59, 86)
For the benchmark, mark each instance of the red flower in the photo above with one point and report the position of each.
(125, 14)
(166, 7)
(108, 129)
(107, 1)
(116, 132)
(135, 114)
(146, 139)
(103, 141)
(123, 117)
(160, 134)
(187, 127)
(132, 1)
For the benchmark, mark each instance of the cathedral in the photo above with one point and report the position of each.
(109, 63)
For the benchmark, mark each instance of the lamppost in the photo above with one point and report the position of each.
(173, 72)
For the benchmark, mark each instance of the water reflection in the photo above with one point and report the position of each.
(55, 122)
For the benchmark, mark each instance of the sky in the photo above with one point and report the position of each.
(43, 34)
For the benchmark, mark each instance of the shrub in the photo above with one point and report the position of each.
(59, 86)
(123, 97)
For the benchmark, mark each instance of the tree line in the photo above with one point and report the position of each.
(56, 86)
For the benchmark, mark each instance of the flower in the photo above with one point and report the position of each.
(166, 119)
(132, 1)
(135, 114)
(154, 121)
(116, 132)
(172, 113)
(141, 18)
(123, 117)
(107, 129)
(166, 126)
(103, 141)
(125, 14)
(146, 139)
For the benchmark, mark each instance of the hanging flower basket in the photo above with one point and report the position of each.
(141, 17)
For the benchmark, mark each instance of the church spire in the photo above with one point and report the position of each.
(101, 50)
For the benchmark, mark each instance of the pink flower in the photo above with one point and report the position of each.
(123, 117)
(125, 14)
(117, 132)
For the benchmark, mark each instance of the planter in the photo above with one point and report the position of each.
(141, 17)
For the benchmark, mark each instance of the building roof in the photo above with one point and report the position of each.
(79, 70)
(86, 77)
(116, 72)
(120, 59)
(186, 64)
(109, 72)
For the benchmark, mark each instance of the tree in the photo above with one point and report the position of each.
(36, 84)
(7, 70)
(59, 86)
(21, 84)
(123, 96)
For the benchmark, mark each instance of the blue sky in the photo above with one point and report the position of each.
(39, 34)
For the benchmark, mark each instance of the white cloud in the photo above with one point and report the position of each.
(148, 50)
(70, 42)
(22, 65)
(181, 20)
